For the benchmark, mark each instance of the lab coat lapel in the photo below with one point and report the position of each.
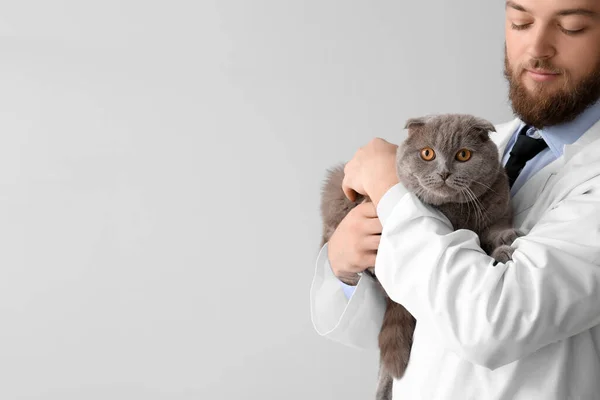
(580, 162)
(529, 193)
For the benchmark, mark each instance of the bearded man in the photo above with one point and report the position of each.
(521, 330)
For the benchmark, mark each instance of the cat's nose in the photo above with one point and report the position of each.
(444, 175)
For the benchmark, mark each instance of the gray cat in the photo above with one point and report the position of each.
(449, 162)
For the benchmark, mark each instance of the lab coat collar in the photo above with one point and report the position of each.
(503, 134)
(586, 146)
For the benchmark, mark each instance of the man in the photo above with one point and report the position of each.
(521, 330)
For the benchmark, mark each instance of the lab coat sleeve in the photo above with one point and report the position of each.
(354, 322)
(493, 315)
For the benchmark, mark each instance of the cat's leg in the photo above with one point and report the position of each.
(384, 384)
(395, 338)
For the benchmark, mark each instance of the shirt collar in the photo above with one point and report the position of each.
(557, 136)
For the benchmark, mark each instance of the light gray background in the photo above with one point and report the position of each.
(160, 169)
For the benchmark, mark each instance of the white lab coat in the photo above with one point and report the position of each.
(524, 330)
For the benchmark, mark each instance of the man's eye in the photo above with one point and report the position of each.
(519, 27)
(572, 31)
(566, 31)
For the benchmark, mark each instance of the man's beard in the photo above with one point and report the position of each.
(541, 108)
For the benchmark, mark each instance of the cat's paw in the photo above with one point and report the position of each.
(508, 236)
(503, 253)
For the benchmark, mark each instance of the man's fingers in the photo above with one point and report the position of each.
(368, 209)
(372, 242)
(368, 259)
(372, 226)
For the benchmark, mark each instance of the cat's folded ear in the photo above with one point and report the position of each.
(413, 124)
(483, 126)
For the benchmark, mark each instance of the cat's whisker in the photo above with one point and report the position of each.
(482, 211)
(461, 204)
(486, 186)
(470, 196)
(419, 191)
(467, 202)
(461, 186)
(475, 205)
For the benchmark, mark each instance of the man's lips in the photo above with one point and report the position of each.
(541, 75)
(542, 72)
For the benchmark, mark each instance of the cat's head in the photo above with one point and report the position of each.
(448, 158)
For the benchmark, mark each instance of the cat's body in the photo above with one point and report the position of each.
(449, 162)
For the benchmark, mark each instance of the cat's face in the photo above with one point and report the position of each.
(448, 158)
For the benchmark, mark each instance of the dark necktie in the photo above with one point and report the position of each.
(524, 150)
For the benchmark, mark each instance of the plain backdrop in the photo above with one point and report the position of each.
(160, 173)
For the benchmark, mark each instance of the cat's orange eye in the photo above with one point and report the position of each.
(427, 154)
(463, 155)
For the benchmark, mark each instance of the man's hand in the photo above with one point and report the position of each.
(372, 171)
(353, 245)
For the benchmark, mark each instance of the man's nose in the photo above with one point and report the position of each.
(541, 43)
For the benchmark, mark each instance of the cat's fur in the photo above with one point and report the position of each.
(475, 196)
